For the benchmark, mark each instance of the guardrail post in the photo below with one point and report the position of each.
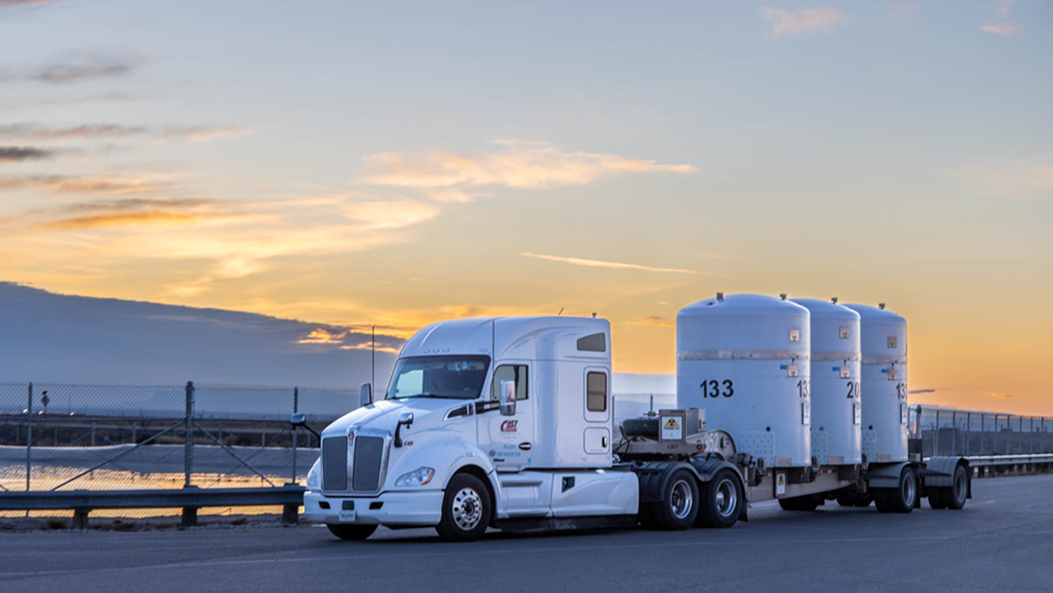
(295, 409)
(290, 514)
(29, 439)
(188, 459)
(80, 519)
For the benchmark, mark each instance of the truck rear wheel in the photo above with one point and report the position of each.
(352, 532)
(953, 497)
(898, 500)
(722, 500)
(679, 506)
(466, 509)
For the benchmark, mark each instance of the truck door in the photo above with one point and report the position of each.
(510, 440)
(597, 411)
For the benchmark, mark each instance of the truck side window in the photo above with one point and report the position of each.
(596, 392)
(516, 372)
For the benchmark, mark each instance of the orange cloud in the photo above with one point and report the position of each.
(802, 22)
(322, 336)
(517, 164)
(121, 219)
(1007, 29)
(593, 263)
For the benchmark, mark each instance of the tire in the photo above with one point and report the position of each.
(898, 500)
(352, 532)
(799, 503)
(680, 501)
(954, 497)
(936, 498)
(466, 509)
(722, 498)
(846, 499)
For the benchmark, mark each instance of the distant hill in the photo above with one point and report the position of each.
(56, 338)
(52, 337)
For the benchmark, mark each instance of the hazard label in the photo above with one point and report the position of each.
(672, 430)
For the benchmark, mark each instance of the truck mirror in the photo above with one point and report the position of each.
(508, 397)
(366, 392)
(298, 419)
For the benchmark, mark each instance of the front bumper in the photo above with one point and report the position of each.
(422, 507)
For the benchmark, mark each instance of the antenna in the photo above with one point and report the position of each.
(373, 358)
(493, 340)
(560, 311)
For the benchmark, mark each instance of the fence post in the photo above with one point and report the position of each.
(1031, 438)
(982, 417)
(954, 433)
(295, 409)
(29, 439)
(936, 444)
(968, 432)
(1008, 431)
(188, 460)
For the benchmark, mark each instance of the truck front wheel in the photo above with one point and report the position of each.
(466, 509)
(352, 532)
(722, 500)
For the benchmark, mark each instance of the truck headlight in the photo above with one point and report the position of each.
(417, 477)
(314, 477)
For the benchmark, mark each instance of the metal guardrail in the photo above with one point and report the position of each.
(997, 460)
(82, 502)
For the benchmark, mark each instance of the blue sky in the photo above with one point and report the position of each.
(398, 163)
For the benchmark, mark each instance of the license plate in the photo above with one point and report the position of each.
(346, 516)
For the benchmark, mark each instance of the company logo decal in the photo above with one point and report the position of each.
(509, 425)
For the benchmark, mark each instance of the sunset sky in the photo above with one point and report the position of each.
(394, 164)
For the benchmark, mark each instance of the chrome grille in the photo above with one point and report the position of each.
(334, 463)
(369, 454)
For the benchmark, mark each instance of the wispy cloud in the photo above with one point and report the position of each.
(652, 320)
(1007, 29)
(802, 22)
(445, 176)
(919, 391)
(65, 184)
(81, 69)
(594, 263)
(998, 395)
(139, 212)
(1021, 179)
(204, 133)
(1001, 10)
(24, 153)
(5, 3)
(30, 131)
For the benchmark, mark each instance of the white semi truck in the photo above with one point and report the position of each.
(508, 422)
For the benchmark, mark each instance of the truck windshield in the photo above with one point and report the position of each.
(450, 377)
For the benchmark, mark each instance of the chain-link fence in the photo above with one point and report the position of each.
(114, 437)
(945, 431)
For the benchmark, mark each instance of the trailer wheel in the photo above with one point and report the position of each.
(898, 500)
(953, 497)
(466, 509)
(936, 498)
(722, 500)
(845, 499)
(352, 532)
(679, 506)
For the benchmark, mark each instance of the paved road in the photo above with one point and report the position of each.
(1002, 541)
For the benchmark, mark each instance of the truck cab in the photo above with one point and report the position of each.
(485, 422)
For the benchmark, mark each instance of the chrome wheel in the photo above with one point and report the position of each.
(467, 509)
(681, 500)
(909, 490)
(960, 490)
(727, 498)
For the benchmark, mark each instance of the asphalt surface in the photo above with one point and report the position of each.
(1001, 541)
